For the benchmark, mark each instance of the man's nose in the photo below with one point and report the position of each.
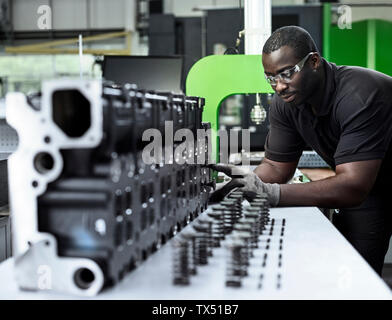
(280, 86)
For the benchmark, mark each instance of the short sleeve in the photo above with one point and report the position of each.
(283, 142)
(366, 129)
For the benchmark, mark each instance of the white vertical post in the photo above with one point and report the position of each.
(257, 24)
(81, 56)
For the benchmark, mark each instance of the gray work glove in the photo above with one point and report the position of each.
(244, 180)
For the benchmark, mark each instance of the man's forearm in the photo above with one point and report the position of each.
(269, 173)
(333, 192)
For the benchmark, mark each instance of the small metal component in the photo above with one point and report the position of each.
(252, 227)
(190, 236)
(256, 217)
(217, 207)
(228, 200)
(235, 267)
(258, 113)
(237, 193)
(201, 243)
(217, 227)
(230, 217)
(262, 206)
(236, 196)
(261, 202)
(279, 281)
(231, 203)
(244, 231)
(208, 221)
(257, 212)
(232, 212)
(246, 237)
(180, 261)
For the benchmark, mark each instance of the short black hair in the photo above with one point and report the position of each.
(295, 37)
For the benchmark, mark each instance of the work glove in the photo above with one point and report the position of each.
(244, 180)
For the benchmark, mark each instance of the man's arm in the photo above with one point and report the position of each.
(348, 188)
(275, 172)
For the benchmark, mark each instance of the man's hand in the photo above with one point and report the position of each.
(246, 181)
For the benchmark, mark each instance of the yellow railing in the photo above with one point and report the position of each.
(49, 47)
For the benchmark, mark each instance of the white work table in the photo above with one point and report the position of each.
(316, 263)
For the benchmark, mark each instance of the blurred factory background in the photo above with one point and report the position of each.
(29, 52)
(39, 39)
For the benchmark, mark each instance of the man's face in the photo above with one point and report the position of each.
(302, 83)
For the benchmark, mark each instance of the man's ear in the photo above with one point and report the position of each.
(315, 61)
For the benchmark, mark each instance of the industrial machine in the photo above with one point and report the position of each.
(159, 73)
(86, 207)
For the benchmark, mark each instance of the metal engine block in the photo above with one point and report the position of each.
(86, 209)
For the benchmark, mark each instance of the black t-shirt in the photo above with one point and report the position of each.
(354, 122)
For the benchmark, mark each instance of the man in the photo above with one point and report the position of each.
(344, 114)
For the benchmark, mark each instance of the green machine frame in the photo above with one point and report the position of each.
(218, 76)
(367, 44)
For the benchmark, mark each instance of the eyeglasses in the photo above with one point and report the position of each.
(287, 75)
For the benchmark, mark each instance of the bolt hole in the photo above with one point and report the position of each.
(34, 184)
(47, 139)
(84, 278)
(43, 162)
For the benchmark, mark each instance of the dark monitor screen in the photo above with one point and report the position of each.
(147, 72)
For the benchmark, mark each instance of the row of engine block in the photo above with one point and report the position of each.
(87, 206)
